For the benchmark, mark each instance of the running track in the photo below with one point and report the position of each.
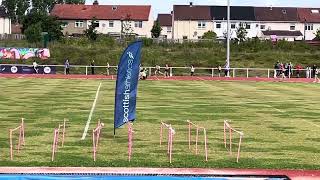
(293, 174)
(155, 78)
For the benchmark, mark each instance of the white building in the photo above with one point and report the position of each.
(165, 21)
(111, 20)
(192, 21)
(5, 22)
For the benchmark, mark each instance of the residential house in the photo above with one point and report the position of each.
(165, 21)
(309, 21)
(5, 22)
(288, 23)
(110, 19)
(191, 22)
(278, 23)
(239, 16)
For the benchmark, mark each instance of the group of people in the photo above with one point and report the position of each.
(284, 70)
(287, 70)
(67, 67)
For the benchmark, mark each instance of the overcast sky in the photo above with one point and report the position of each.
(165, 6)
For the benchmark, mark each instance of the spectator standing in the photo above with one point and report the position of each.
(35, 67)
(298, 68)
(290, 70)
(307, 72)
(67, 66)
(157, 71)
(314, 68)
(108, 66)
(219, 70)
(276, 67)
(316, 79)
(92, 67)
(192, 70)
(166, 71)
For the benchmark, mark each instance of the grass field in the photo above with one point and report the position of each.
(280, 121)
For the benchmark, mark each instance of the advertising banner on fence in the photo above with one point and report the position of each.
(127, 83)
(24, 53)
(12, 69)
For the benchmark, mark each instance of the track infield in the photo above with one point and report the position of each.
(280, 122)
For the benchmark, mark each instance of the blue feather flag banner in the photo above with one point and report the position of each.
(127, 84)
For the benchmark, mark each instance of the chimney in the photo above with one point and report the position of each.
(95, 2)
(191, 3)
(271, 8)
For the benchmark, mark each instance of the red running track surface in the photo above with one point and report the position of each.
(155, 78)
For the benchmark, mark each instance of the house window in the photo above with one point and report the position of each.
(233, 26)
(64, 24)
(292, 27)
(201, 25)
(309, 27)
(218, 25)
(79, 24)
(169, 29)
(185, 37)
(262, 26)
(96, 24)
(248, 26)
(138, 24)
(111, 24)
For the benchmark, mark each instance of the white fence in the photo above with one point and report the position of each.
(184, 71)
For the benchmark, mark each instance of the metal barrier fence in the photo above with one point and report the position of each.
(185, 71)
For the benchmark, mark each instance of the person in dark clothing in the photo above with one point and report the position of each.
(92, 67)
(67, 66)
(314, 68)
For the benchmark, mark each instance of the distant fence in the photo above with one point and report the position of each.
(12, 36)
(180, 71)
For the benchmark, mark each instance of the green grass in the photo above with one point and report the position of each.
(280, 122)
(206, 54)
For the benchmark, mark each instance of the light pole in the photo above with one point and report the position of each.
(228, 40)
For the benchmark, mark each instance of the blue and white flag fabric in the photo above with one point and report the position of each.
(127, 83)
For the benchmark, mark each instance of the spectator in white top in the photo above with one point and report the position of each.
(35, 67)
(316, 79)
(192, 70)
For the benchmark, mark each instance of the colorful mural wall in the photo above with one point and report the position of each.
(24, 53)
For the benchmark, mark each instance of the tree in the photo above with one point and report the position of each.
(10, 6)
(318, 34)
(91, 32)
(127, 26)
(209, 35)
(22, 7)
(47, 23)
(74, 1)
(241, 33)
(33, 33)
(156, 30)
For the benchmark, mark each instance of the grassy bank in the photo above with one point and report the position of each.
(205, 54)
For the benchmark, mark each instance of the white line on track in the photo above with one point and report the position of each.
(90, 115)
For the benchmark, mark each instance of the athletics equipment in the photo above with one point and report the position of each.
(130, 138)
(227, 126)
(198, 128)
(171, 133)
(95, 138)
(56, 137)
(21, 140)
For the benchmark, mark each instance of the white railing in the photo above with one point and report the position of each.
(184, 71)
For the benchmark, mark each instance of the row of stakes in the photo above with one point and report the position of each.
(59, 133)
